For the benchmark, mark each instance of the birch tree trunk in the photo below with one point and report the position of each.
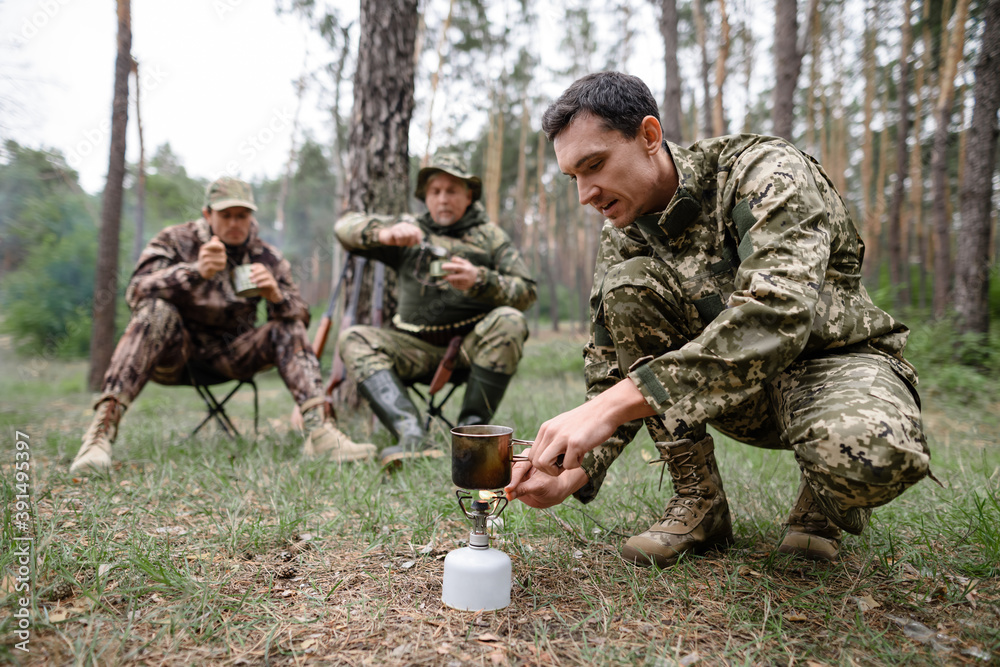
(102, 336)
(972, 259)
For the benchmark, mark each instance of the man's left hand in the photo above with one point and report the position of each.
(460, 273)
(266, 283)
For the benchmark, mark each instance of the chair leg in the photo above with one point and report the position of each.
(216, 410)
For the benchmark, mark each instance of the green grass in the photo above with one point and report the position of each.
(212, 551)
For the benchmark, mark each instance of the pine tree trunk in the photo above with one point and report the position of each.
(897, 279)
(972, 260)
(378, 156)
(698, 7)
(140, 184)
(939, 163)
(102, 337)
(672, 88)
(787, 63)
(916, 205)
(719, 125)
(521, 187)
(868, 142)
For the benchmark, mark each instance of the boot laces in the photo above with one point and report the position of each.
(683, 468)
(104, 428)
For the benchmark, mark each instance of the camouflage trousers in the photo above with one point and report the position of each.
(156, 346)
(496, 344)
(851, 419)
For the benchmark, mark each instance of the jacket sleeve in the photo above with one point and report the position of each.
(358, 233)
(162, 272)
(507, 282)
(784, 254)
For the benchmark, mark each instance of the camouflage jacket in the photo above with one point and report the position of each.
(769, 262)
(212, 313)
(428, 302)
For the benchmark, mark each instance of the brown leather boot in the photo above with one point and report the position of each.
(810, 534)
(696, 518)
(95, 452)
(327, 441)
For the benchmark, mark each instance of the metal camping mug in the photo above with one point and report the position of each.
(482, 456)
(243, 285)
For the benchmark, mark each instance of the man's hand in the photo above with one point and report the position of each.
(576, 432)
(403, 233)
(211, 258)
(266, 283)
(540, 490)
(460, 273)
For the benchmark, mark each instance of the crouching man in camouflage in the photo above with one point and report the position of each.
(459, 276)
(184, 308)
(727, 292)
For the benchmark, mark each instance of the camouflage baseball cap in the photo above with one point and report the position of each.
(449, 163)
(227, 192)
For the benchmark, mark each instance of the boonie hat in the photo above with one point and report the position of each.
(227, 192)
(449, 163)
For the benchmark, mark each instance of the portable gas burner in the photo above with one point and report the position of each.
(477, 577)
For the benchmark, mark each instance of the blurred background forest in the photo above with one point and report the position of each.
(892, 96)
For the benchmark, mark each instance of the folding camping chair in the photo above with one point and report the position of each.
(203, 377)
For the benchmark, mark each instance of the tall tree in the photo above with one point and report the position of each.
(789, 49)
(972, 265)
(140, 183)
(719, 125)
(379, 167)
(701, 34)
(102, 339)
(898, 278)
(939, 160)
(672, 88)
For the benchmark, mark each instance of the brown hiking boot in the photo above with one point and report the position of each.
(95, 452)
(810, 534)
(696, 518)
(327, 441)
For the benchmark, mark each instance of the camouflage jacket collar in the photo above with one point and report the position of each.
(474, 216)
(684, 210)
(252, 247)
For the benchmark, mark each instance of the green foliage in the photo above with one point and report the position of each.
(47, 301)
(961, 370)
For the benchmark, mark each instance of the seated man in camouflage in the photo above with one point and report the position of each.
(184, 308)
(482, 288)
(727, 291)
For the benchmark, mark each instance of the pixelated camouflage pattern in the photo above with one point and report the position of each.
(496, 344)
(428, 302)
(178, 315)
(450, 163)
(754, 265)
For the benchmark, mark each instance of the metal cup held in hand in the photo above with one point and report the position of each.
(243, 284)
(440, 256)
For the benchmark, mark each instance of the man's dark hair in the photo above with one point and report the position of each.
(620, 100)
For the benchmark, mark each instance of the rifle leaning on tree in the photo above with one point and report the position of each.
(323, 331)
(339, 372)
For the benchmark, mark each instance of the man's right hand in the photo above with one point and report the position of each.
(211, 258)
(539, 489)
(402, 233)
